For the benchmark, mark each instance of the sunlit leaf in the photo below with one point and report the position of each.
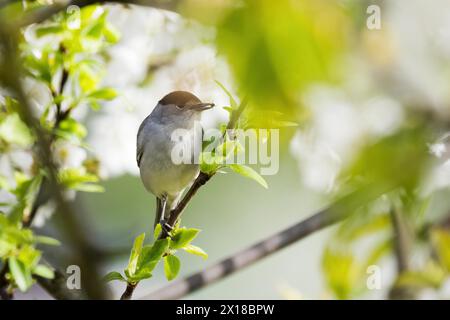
(43, 271)
(14, 131)
(441, 240)
(103, 94)
(171, 267)
(20, 273)
(190, 248)
(152, 254)
(113, 275)
(248, 172)
(183, 237)
(135, 252)
(47, 240)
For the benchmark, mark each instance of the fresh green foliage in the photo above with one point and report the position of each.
(18, 251)
(225, 151)
(13, 131)
(144, 258)
(248, 172)
(80, 180)
(68, 61)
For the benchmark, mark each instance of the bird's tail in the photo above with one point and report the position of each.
(158, 213)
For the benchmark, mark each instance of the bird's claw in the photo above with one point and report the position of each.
(167, 228)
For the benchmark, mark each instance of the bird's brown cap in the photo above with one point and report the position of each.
(180, 98)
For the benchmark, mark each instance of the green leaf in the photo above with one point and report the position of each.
(20, 273)
(47, 240)
(441, 241)
(44, 271)
(151, 254)
(342, 272)
(77, 179)
(210, 163)
(378, 251)
(233, 102)
(103, 94)
(87, 77)
(267, 119)
(432, 275)
(94, 105)
(141, 274)
(89, 187)
(248, 172)
(157, 231)
(352, 229)
(190, 248)
(171, 267)
(111, 34)
(228, 109)
(49, 30)
(74, 127)
(4, 184)
(183, 237)
(135, 252)
(14, 131)
(113, 275)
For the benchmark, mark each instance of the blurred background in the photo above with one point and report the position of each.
(365, 82)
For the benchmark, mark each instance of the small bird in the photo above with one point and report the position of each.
(159, 173)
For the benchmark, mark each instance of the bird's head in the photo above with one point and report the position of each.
(181, 106)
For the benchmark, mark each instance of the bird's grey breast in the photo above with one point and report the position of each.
(159, 173)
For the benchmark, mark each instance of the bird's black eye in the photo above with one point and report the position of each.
(179, 107)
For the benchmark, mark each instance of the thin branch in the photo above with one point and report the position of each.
(401, 240)
(175, 214)
(128, 293)
(57, 287)
(4, 284)
(402, 248)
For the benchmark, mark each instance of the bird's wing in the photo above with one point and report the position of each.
(140, 143)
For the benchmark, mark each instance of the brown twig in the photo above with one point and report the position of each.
(128, 293)
(4, 283)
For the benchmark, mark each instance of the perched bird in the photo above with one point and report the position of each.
(160, 175)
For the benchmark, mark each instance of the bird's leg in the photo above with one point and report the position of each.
(163, 222)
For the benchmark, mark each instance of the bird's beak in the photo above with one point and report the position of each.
(201, 106)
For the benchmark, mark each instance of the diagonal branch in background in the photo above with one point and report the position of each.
(402, 242)
(10, 76)
(339, 211)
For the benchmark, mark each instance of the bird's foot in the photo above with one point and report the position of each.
(167, 228)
